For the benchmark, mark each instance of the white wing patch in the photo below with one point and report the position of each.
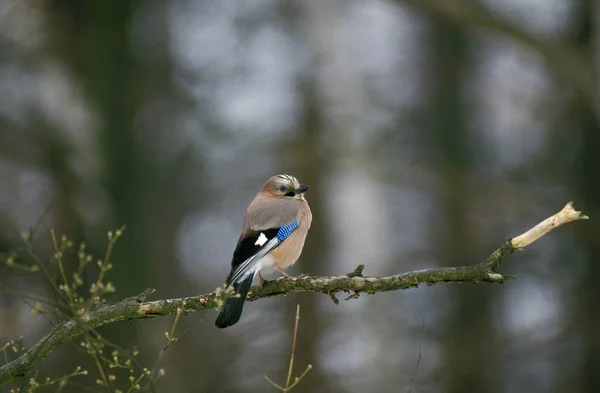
(262, 239)
(251, 263)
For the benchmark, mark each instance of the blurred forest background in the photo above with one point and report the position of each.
(430, 132)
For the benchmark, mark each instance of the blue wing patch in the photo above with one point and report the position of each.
(285, 231)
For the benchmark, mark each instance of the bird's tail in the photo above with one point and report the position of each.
(232, 310)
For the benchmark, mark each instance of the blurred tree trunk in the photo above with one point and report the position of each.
(466, 363)
(132, 97)
(586, 321)
(93, 40)
(311, 167)
(312, 172)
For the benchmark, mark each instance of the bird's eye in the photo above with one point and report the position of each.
(282, 188)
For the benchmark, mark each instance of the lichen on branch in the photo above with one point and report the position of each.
(354, 284)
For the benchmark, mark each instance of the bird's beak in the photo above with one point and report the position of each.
(301, 190)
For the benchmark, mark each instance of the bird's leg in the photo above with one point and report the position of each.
(284, 274)
(260, 279)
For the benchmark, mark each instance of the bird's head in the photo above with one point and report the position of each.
(285, 186)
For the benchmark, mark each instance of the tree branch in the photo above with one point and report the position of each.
(354, 283)
(563, 58)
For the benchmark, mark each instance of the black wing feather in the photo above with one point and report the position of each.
(247, 247)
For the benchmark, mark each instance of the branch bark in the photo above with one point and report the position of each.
(354, 283)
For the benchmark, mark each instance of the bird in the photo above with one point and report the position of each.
(273, 233)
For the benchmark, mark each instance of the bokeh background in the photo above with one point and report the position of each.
(430, 131)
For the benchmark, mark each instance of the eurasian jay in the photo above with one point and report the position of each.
(273, 234)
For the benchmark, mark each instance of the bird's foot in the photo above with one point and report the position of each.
(283, 274)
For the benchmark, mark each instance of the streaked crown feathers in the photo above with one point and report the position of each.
(279, 185)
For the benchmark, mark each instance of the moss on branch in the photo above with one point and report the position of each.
(137, 307)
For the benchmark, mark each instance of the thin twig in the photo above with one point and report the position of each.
(170, 340)
(287, 387)
(34, 229)
(289, 376)
(29, 296)
(98, 362)
(84, 387)
(32, 254)
(414, 375)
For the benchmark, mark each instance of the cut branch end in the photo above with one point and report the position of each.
(566, 215)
